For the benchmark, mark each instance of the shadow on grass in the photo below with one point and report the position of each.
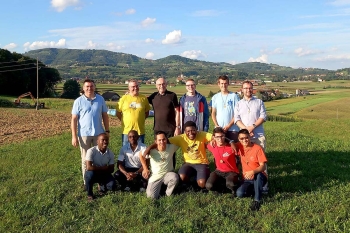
(291, 172)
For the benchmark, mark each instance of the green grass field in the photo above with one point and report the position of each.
(309, 182)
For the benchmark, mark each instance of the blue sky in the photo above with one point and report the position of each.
(308, 33)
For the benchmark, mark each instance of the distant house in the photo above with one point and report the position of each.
(112, 96)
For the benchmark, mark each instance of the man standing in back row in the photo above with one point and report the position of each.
(132, 111)
(194, 107)
(223, 105)
(89, 110)
(250, 114)
(166, 111)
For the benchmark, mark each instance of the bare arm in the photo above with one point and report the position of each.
(177, 120)
(119, 115)
(145, 171)
(106, 168)
(74, 126)
(105, 119)
(213, 117)
(250, 174)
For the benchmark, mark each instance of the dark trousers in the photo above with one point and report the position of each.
(217, 177)
(104, 179)
(168, 134)
(121, 178)
(253, 187)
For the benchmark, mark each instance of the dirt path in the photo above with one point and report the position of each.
(17, 125)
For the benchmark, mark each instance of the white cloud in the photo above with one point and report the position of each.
(91, 45)
(148, 21)
(193, 54)
(340, 2)
(114, 47)
(61, 5)
(10, 46)
(300, 52)
(149, 40)
(262, 58)
(205, 13)
(130, 11)
(149, 55)
(44, 44)
(173, 37)
(277, 51)
(341, 57)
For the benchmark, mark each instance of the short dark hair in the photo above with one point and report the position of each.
(190, 124)
(247, 81)
(88, 81)
(134, 131)
(243, 131)
(222, 77)
(218, 130)
(159, 133)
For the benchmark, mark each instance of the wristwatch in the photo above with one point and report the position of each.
(178, 126)
(107, 131)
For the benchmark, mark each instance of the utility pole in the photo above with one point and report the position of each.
(37, 84)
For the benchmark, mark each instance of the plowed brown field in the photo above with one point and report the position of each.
(17, 125)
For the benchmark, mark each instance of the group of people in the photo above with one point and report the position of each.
(237, 139)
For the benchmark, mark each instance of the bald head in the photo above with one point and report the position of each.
(161, 85)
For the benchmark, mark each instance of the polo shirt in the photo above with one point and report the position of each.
(98, 158)
(131, 158)
(89, 112)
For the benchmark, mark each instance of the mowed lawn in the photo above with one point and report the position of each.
(309, 183)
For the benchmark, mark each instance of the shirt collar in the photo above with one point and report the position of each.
(101, 152)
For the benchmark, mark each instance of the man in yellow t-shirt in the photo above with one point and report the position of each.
(132, 110)
(193, 144)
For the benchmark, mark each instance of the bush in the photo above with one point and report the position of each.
(6, 103)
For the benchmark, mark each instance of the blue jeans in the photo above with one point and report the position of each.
(126, 141)
(252, 187)
(104, 179)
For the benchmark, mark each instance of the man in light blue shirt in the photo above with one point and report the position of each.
(223, 105)
(88, 113)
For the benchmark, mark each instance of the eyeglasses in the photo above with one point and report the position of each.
(248, 88)
(161, 84)
(219, 137)
(244, 138)
(190, 85)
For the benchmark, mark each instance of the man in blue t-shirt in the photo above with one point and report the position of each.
(223, 105)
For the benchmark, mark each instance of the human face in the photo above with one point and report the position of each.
(190, 87)
(89, 88)
(133, 88)
(161, 141)
(244, 139)
(102, 142)
(161, 85)
(132, 138)
(191, 132)
(219, 138)
(223, 85)
(247, 90)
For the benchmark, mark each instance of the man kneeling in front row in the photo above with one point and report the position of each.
(253, 162)
(161, 160)
(99, 166)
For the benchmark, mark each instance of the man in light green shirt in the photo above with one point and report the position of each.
(161, 161)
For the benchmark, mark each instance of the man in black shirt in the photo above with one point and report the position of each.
(166, 113)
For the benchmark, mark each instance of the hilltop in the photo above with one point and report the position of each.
(116, 66)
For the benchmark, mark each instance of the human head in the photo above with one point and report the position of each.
(190, 86)
(102, 142)
(89, 87)
(161, 139)
(161, 85)
(247, 89)
(244, 137)
(223, 83)
(190, 129)
(133, 87)
(219, 136)
(133, 136)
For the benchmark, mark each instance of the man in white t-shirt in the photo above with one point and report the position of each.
(129, 165)
(162, 170)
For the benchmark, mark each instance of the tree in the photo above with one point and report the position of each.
(71, 89)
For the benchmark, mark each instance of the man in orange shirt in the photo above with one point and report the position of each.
(253, 162)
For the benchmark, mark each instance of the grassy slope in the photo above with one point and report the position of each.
(309, 185)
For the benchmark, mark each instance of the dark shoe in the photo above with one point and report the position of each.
(255, 206)
(90, 198)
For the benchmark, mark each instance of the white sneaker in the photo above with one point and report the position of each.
(142, 190)
(127, 189)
